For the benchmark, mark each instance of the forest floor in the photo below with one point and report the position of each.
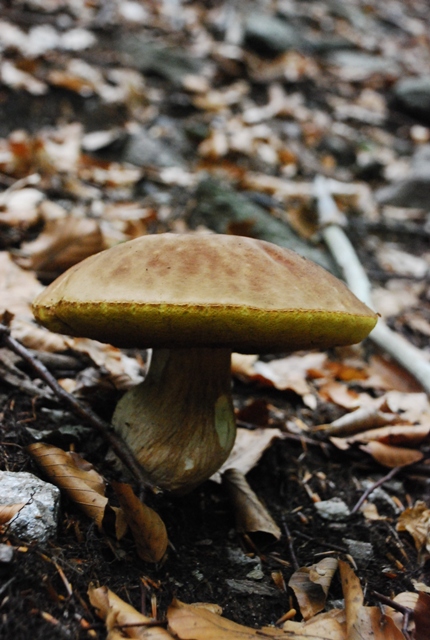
(119, 119)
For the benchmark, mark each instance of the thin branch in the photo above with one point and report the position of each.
(374, 486)
(104, 428)
(394, 344)
(293, 556)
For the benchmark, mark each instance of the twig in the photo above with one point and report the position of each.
(406, 611)
(294, 560)
(374, 486)
(104, 428)
(355, 276)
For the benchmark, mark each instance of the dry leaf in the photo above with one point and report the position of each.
(147, 528)
(78, 479)
(9, 511)
(340, 394)
(188, 622)
(416, 521)
(63, 243)
(328, 626)
(250, 514)
(390, 456)
(363, 622)
(248, 448)
(18, 288)
(357, 421)
(422, 617)
(311, 585)
(122, 620)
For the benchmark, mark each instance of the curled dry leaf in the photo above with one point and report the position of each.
(250, 514)
(311, 585)
(416, 521)
(122, 620)
(147, 528)
(63, 243)
(363, 622)
(359, 420)
(248, 448)
(190, 622)
(79, 480)
(330, 625)
(390, 456)
(9, 511)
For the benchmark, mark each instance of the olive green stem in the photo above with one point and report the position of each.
(179, 422)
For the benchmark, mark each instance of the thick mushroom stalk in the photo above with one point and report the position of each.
(179, 422)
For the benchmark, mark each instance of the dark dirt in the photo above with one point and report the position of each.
(205, 547)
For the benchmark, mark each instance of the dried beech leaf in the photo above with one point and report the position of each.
(9, 511)
(75, 476)
(394, 435)
(390, 456)
(250, 514)
(248, 448)
(147, 528)
(122, 620)
(422, 617)
(188, 622)
(329, 626)
(358, 421)
(62, 244)
(18, 288)
(311, 584)
(363, 622)
(416, 521)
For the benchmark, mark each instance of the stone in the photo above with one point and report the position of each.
(38, 519)
(413, 96)
(270, 35)
(334, 509)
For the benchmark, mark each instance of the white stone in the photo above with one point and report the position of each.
(38, 519)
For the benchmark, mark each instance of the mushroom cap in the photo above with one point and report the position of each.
(183, 290)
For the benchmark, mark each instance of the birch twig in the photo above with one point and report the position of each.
(331, 220)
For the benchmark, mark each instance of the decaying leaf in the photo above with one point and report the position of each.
(248, 448)
(250, 514)
(311, 585)
(422, 617)
(63, 243)
(329, 625)
(78, 478)
(390, 456)
(148, 529)
(363, 622)
(416, 521)
(122, 620)
(9, 511)
(189, 622)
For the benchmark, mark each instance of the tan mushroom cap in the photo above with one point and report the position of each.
(191, 290)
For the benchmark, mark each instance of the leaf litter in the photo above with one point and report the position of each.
(267, 124)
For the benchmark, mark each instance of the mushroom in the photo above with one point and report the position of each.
(193, 298)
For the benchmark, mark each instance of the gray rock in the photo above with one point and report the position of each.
(362, 552)
(413, 95)
(413, 191)
(359, 66)
(334, 509)
(269, 34)
(143, 150)
(250, 587)
(150, 57)
(38, 519)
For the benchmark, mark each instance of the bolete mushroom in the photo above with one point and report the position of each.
(193, 298)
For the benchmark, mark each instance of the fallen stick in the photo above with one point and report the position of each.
(104, 428)
(331, 219)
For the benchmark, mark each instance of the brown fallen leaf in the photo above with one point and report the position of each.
(329, 625)
(357, 421)
(250, 514)
(189, 622)
(390, 456)
(122, 620)
(9, 511)
(78, 478)
(248, 448)
(422, 617)
(63, 243)
(147, 528)
(311, 585)
(363, 622)
(416, 521)
(394, 435)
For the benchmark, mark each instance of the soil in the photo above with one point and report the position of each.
(43, 591)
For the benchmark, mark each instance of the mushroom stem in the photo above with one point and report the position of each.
(179, 422)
